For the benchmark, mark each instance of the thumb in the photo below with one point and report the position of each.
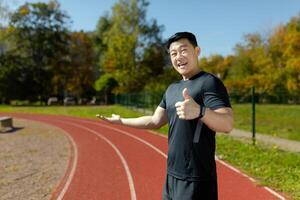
(185, 94)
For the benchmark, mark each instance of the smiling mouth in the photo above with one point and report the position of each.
(182, 65)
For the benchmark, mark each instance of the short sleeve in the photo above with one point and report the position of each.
(162, 103)
(215, 94)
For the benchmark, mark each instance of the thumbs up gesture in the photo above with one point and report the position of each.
(187, 109)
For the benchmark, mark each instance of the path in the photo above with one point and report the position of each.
(284, 144)
(116, 162)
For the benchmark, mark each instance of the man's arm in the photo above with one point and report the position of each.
(158, 119)
(219, 120)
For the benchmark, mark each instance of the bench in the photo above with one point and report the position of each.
(6, 122)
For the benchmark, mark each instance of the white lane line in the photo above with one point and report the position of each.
(71, 175)
(125, 165)
(75, 159)
(128, 134)
(275, 193)
(250, 178)
(234, 169)
(164, 155)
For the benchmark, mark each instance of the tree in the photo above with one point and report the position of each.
(291, 55)
(130, 46)
(105, 84)
(13, 83)
(81, 75)
(217, 65)
(39, 32)
(4, 13)
(168, 76)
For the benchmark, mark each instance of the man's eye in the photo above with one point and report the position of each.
(173, 54)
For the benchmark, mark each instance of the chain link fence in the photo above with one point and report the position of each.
(275, 115)
(145, 102)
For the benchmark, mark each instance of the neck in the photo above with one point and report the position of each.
(191, 74)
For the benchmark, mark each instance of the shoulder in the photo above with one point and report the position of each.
(210, 77)
(173, 86)
(211, 80)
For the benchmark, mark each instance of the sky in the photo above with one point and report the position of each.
(218, 24)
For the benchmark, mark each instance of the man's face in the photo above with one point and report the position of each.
(184, 57)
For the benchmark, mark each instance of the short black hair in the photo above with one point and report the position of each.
(180, 35)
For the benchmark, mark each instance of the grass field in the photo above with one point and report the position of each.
(277, 169)
(277, 120)
(270, 166)
(81, 111)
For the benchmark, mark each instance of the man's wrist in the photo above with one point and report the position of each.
(202, 111)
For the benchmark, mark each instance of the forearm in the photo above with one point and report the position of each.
(218, 121)
(158, 119)
(145, 122)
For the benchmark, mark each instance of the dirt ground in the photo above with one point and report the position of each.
(33, 159)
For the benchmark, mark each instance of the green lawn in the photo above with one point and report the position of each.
(81, 111)
(277, 169)
(277, 120)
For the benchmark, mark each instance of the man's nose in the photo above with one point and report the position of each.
(179, 56)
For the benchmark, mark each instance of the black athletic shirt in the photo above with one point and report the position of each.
(189, 159)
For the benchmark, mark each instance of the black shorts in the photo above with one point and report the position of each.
(177, 189)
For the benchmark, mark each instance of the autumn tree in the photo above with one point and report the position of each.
(291, 55)
(216, 64)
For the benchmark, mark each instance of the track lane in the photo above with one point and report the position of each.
(249, 189)
(232, 185)
(147, 166)
(98, 170)
(117, 151)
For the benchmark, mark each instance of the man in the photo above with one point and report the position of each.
(195, 108)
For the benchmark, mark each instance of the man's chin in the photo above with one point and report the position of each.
(182, 71)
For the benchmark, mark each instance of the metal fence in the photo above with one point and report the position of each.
(151, 100)
(254, 112)
(145, 101)
(278, 97)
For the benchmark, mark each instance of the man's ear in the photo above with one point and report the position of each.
(198, 50)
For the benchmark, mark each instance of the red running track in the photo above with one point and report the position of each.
(116, 162)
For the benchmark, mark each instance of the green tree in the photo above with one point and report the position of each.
(4, 15)
(39, 32)
(82, 70)
(131, 48)
(13, 82)
(4, 12)
(104, 85)
(168, 76)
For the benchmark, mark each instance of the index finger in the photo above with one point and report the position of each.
(178, 104)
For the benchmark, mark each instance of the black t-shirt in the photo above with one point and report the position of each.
(187, 159)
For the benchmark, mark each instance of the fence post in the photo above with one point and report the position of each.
(253, 115)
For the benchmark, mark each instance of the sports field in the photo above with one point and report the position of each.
(272, 167)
